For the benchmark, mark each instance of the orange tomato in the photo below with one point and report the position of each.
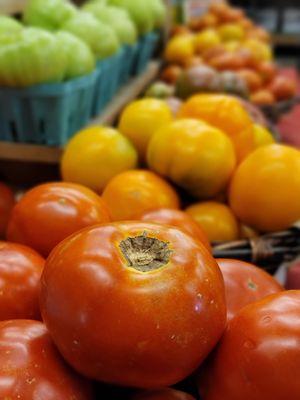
(283, 88)
(49, 213)
(227, 114)
(170, 74)
(267, 71)
(193, 62)
(227, 61)
(7, 202)
(252, 78)
(179, 49)
(208, 20)
(178, 30)
(216, 220)
(178, 219)
(141, 119)
(263, 97)
(134, 192)
(133, 304)
(271, 202)
(196, 156)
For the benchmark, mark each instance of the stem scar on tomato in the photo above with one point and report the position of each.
(252, 285)
(145, 253)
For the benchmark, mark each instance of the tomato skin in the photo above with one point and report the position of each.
(49, 213)
(263, 341)
(7, 201)
(244, 284)
(20, 272)
(90, 330)
(136, 191)
(163, 394)
(178, 219)
(31, 367)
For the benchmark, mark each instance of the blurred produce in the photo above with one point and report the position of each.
(293, 276)
(159, 90)
(7, 202)
(9, 26)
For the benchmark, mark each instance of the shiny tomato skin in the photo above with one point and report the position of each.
(258, 357)
(244, 284)
(7, 201)
(49, 213)
(178, 219)
(20, 272)
(122, 326)
(163, 394)
(32, 369)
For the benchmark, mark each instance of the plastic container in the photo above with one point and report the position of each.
(108, 81)
(146, 48)
(48, 113)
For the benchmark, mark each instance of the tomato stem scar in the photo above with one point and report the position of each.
(145, 253)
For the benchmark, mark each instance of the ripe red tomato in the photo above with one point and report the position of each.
(32, 369)
(49, 213)
(20, 272)
(7, 201)
(244, 284)
(178, 219)
(134, 304)
(163, 394)
(258, 357)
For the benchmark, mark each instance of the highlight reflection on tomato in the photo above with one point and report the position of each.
(163, 394)
(20, 272)
(258, 357)
(31, 367)
(49, 213)
(139, 304)
(178, 219)
(244, 284)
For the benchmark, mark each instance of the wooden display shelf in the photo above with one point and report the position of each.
(288, 40)
(51, 155)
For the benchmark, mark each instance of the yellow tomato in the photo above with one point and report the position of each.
(141, 118)
(262, 136)
(265, 190)
(132, 193)
(194, 155)
(207, 39)
(179, 49)
(96, 154)
(261, 51)
(229, 32)
(226, 113)
(216, 220)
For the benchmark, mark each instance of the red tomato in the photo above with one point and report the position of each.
(178, 219)
(32, 369)
(244, 284)
(49, 213)
(20, 272)
(7, 201)
(134, 304)
(163, 394)
(258, 357)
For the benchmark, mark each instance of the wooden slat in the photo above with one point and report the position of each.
(12, 6)
(51, 155)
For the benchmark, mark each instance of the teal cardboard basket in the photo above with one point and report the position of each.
(48, 113)
(108, 81)
(147, 45)
(129, 57)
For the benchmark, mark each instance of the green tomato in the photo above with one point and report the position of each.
(9, 25)
(48, 14)
(140, 12)
(100, 37)
(115, 17)
(32, 58)
(80, 58)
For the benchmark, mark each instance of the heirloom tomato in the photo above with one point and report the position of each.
(265, 188)
(131, 193)
(133, 304)
(32, 369)
(226, 113)
(258, 357)
(178, 219)
(244, 284)
(20, 272)
(49, 213)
